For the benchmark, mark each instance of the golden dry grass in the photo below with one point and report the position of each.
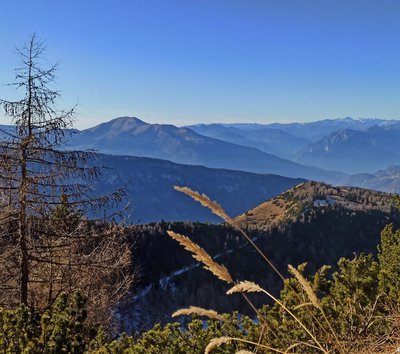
(198, 311)
(206, 202)
(216, 342)
(306, 287)
(201, 255)
(269, 213)
(246, 287)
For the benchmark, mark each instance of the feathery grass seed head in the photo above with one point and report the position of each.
(206, 202)
(202, 256)
(198, 311)
(306, 286)
(216, 342)
(245, 286)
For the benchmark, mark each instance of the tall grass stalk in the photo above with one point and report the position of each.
(244, 287)
(248, 286)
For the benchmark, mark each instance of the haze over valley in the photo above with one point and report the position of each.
(365, 156)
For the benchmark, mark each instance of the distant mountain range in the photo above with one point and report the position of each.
(326, 150)
(355, 151)
(151, 158)
(270, 140)
(131, 136)
(151, 180)
(387, 180)
(314, 131)
(347, 145)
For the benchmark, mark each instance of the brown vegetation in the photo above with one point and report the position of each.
(46, 245)
(289, 206)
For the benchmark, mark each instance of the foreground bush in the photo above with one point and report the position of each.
(357, 314)
(61, 329)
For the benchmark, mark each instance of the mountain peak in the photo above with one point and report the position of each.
(117, 126)
(126, 121)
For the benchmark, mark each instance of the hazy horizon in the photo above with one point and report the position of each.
(185, 62)
(77, 125)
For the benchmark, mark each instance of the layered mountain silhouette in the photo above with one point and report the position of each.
(131, 136)
(387, 180)
(355, 151)
(348, 145)
(314, 131)
(151, 158)
(229, 134)
(270, 140)
(150, 188)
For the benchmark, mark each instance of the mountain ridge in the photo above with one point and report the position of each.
(182, 145)
(266, 139)
(300, 199)
(315, 130)
(355, 151)
(150, 185)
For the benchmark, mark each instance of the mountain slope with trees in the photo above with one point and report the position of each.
(315, 233)
(149, 187)
(297, 201)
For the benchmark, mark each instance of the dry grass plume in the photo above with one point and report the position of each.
(198, 311)
(216, 342)
(206, 202)
(246, 287)
(218, 210)
(306, 287)
(202, 256)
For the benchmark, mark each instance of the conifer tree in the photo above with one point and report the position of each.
(389, 256)
(45, 189)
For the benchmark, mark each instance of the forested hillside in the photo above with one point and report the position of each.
(150, 188)
(311, 231)
(297, 201)
(324, 312)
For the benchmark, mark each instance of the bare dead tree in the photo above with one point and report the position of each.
(39, 174)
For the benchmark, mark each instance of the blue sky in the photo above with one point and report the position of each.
(186, 61)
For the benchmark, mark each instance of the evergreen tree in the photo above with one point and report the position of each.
(45, 190)
(389, 256)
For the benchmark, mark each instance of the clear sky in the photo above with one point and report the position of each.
(186, 61)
